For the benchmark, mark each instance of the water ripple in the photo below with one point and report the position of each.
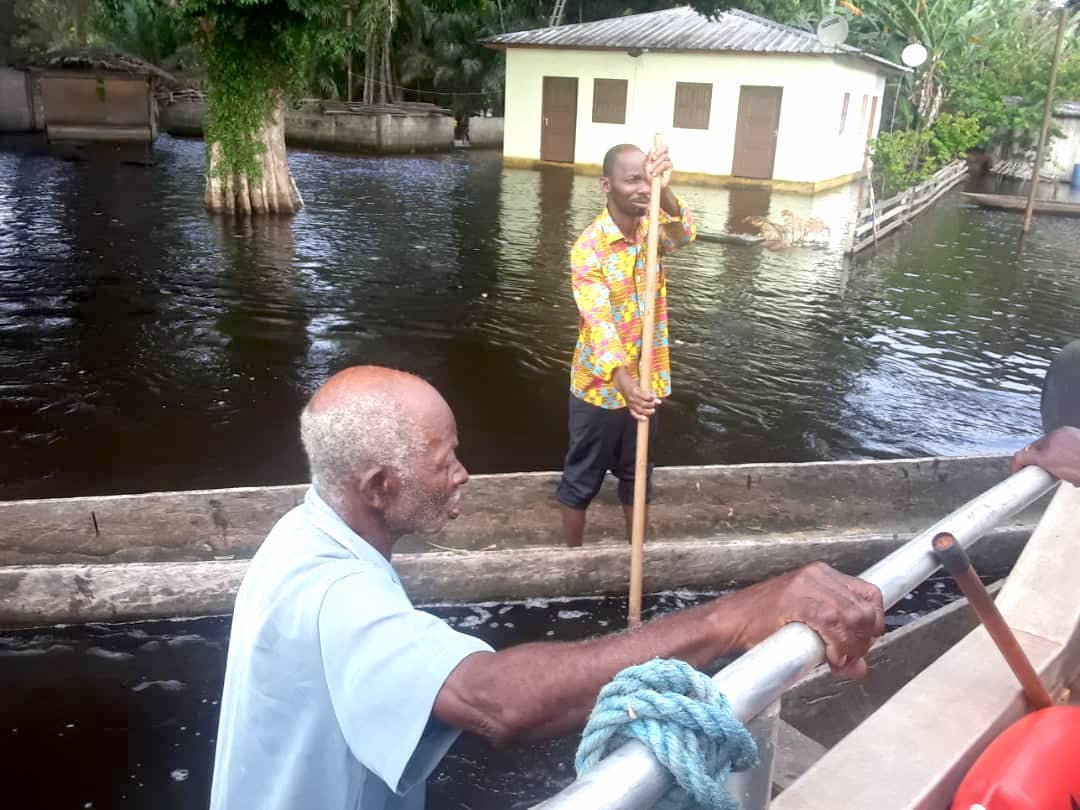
(147, 345)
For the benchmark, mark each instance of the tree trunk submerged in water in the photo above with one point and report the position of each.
(274, 192)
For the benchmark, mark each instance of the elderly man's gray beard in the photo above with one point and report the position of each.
(419, 511)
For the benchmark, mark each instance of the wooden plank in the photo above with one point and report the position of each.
(42, 595)
(515, 511)
(795, 753)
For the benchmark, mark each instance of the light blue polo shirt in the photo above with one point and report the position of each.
(331, 677)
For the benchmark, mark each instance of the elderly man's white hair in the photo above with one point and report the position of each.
(346, 439)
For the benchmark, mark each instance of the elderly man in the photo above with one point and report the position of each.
(340, 694)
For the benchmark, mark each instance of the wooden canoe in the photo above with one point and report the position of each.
(174, 554)
(1015, 202)
(184, 554)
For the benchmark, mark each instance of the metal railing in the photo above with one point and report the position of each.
(630, 778)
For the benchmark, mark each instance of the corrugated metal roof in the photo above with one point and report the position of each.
(1064, 109)
(681, 29)
(1068, 109)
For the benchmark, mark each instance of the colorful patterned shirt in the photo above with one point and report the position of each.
(608, 277)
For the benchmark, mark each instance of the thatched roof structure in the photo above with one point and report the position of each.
(108, 60)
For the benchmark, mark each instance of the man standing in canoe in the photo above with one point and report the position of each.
(340, 695)
(608, 278)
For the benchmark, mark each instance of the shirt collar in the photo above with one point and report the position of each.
(610, 230)
(322, 516)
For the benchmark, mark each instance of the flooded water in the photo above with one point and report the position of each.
(125, 715)
(148, 346)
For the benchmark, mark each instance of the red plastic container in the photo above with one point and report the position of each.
(1033, 765)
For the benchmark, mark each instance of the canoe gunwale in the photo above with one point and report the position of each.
(1013, 202)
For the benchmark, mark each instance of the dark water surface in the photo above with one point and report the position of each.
(125, 715)
(146, 345)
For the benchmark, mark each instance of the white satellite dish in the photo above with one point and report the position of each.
(913, 55)
(832, 30)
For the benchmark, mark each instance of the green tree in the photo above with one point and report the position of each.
(147, 29)
(39, 26)
(1005, 81)
(442, 51)
(258, 53)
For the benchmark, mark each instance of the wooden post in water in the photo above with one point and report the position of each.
(1047, 111)
(641, 461)
(348, 57)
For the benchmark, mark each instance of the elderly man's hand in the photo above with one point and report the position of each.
(1058, 453)
(846, 612)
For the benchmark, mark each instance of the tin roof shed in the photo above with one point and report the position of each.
(685, 30)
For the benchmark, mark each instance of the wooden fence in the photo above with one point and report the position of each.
(879, 219)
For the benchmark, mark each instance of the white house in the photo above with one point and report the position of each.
(739, 98)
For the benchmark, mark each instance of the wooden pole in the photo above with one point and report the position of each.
(955, 560)
(1047, 111)
(348, 57)
(641, 465)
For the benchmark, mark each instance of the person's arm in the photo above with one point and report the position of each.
(676, 222)
(593, 300)
(1057, 452)
(546, 689)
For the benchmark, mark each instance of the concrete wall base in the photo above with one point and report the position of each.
(701, 179)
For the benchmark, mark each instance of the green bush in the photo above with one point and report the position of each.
(952, 136)
(905, 158)
(896, 163)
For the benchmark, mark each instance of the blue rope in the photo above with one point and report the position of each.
(684, 720)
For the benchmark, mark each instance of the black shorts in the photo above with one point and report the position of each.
(601, 439)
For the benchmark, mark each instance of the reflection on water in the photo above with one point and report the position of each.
(146, 345)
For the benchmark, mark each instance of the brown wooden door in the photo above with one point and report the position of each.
(755, 132)
(558, 125)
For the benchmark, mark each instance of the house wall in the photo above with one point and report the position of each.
(86, 106)
(485, 132)
(810, 147)
(16, 113)
(1064, 151)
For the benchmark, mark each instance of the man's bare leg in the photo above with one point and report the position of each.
(628, 515)
(573, 524)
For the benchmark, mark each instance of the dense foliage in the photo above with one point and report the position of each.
(906, 157)
(255, 51)
(987, 59)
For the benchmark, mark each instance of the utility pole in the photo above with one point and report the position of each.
(1048, 106)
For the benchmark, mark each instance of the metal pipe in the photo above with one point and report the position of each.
(955, 560)
(631, 778)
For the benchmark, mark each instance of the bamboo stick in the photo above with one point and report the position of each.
(641, 464)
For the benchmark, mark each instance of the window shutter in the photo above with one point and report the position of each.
(609, 101)
(692, 104)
